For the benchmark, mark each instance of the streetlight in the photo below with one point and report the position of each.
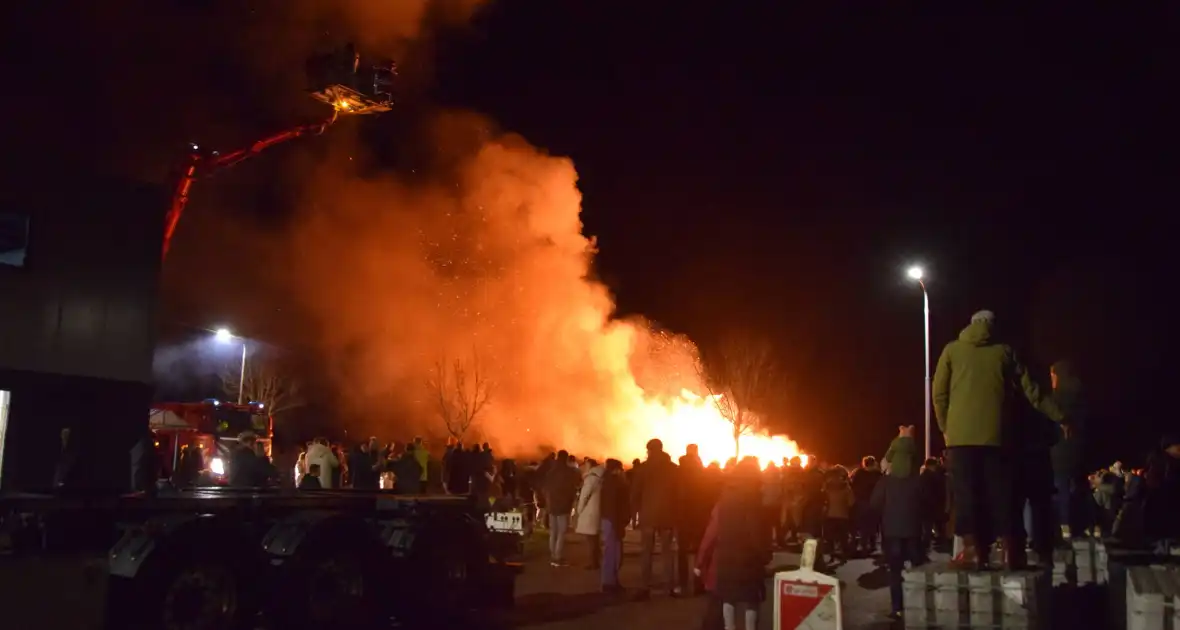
(223, 335)
(916, 274)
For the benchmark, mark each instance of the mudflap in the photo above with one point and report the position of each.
(52, 591)
(498, 586)
(505, 547)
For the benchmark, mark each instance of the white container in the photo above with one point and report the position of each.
(1083, 563)
(1153, 598)
(937, 596)
(805, 598)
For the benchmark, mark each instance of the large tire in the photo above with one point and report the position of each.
(445, 562)
(333, 581)
(199, 588)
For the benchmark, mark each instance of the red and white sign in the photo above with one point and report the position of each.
(805, 599)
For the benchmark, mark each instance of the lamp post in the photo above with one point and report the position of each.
(225, 336)
(916, 273)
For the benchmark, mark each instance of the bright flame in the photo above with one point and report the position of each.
(488, 270)
(217, 466)
(342, 104)
(692, 419)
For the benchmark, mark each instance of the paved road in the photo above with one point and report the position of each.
(567, 598)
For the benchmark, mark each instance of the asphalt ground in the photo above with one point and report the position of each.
(569, 598)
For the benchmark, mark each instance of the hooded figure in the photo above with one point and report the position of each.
(897, 498)
(971, 394)
(320, 453)
(901, 457)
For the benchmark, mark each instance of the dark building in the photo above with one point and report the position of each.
(79, 273)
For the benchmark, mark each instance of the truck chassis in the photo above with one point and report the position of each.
(219, 559)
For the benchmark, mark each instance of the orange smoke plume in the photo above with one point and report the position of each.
(485, 269)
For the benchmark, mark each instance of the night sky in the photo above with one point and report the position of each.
(777, 170)
(763, 169)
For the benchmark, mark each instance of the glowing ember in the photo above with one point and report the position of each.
(489, 267)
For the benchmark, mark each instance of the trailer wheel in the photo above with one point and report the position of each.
(189, 591)
(452, 585)
(329, 585)
(336, 583)
(201, 597)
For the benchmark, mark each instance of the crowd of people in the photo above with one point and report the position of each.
(1017, 471)
(404, 468)
(715, 527)
(1009, 479)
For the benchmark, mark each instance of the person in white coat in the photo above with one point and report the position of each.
(320, 453)
(590, 511)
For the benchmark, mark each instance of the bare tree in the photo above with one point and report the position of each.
(461, 391)
(267, 381)
(740, 376)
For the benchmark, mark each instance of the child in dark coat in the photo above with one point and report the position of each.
(897, 498)
(311, 481)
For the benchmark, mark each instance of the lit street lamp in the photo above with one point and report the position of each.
(223, 335)
(916, 273)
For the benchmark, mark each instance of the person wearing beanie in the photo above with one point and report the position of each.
(974, 379)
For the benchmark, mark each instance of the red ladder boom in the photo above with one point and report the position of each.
(201, 164)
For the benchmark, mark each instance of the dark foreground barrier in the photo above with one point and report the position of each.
(231, 559)
(938, 596)
(1153, 597)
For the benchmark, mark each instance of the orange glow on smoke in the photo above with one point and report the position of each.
(488, 259)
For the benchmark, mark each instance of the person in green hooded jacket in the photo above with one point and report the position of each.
(976, 377)
(900, 458)
(898, 499)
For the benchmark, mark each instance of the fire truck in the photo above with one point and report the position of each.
(207, 430)
(78, 346)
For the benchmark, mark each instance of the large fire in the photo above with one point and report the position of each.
(692, 419)
(488, 266)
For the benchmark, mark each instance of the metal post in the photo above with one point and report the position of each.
(926, 323)
(242, 386)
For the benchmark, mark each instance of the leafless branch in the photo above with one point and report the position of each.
(266, 381)
(740, 376)
(461, 391)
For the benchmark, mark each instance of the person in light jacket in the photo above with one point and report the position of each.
(590, 511)
(320, 453)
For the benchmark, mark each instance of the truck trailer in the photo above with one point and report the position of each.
(219, 559)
